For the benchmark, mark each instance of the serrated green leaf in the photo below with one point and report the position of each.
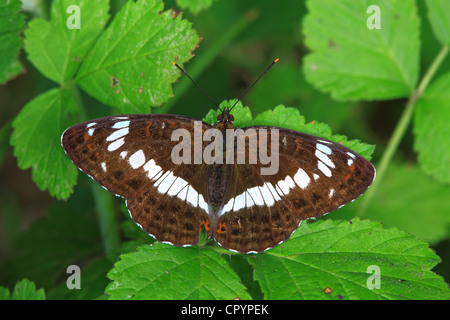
(12, 22)
(161, 271)
(439, 17)
(23, 290)
(411, 200)
(195, 6)
(353, 62)
(26, 290)
(337, 255)
(130, 66)
(57, 51)
(432, 130)
(37, 141)
(282, 117)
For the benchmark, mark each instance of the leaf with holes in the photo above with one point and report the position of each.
(130, 66)
(353, 62)
(336, 260)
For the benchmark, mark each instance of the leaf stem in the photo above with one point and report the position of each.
(400, 129)
(208, 56)
(432, 70)
(104, 204)
(104, 201)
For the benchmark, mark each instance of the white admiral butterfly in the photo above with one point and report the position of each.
(242, 209)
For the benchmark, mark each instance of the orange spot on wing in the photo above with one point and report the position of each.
(205, 224)
(87, 137)
(352, 168)
(148, 127)
(298, 145)
(90, 146)
(348, 176)
(221, 228)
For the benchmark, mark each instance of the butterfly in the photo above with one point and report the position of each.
(243, 209)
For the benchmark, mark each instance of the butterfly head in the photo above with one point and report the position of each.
(225, 118)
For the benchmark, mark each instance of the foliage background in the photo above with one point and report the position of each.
(40, 235)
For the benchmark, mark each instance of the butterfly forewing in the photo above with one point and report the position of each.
(315, 176)
(131, 157)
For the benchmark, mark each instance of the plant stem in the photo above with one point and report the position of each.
(432, 70)
(104, 204)
(207, 57)
(104, 201)
(400, 129)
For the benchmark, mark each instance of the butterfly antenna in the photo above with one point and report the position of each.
(248, 89)
(184, 72)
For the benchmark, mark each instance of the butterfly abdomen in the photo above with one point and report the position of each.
(218, 177)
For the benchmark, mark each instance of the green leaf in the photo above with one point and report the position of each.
(130, 66)
(353, 62)
(161, 271)
(37, 141)
(283, 117)
(12, 22)
(337, 255)
(57, 51)
(432, 130)
(411, 200)
(23, 290)
(26, 290)
(439, 17)
(195, 5)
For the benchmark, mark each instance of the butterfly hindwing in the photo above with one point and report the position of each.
(173, 210)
